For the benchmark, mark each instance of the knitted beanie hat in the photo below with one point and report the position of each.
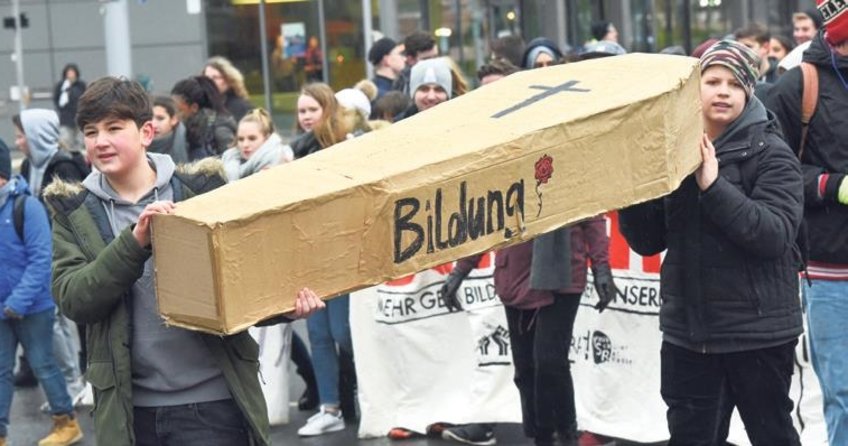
(835, 14)
(742, 61)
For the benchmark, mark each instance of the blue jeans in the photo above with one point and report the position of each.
(214, 423)
(826, 304)
(327, 329)
(35, 334)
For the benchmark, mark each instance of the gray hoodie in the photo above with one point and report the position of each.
(170, 366)
(41, 127)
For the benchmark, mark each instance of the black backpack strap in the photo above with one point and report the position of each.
(18, 216)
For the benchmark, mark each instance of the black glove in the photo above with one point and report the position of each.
(449, 288)
(605, 287)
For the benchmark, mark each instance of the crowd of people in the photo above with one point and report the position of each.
(766, 209)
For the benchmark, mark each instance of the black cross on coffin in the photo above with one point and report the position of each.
(548, 91)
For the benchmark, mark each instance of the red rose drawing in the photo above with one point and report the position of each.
(544, 171)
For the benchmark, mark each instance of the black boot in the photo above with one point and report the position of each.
(347, 386)
(300, 356)
(25, 377)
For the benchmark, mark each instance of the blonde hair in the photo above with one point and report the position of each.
(331, 128)
(261, 117)
(231, 74)
(460, 85)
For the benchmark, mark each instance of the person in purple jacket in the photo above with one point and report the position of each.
(540, 283)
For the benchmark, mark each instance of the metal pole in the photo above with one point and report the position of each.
(687, 27)
(367, 25)
(116, 26)
(459, 39)
(19, 54)
(424, 6)
(322, 30)
(263, 44)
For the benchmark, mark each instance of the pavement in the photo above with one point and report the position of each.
(28, 425)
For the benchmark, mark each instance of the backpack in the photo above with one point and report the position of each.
(18, 215)
(809, 100)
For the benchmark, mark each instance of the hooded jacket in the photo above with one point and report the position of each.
(45, 162)
(25, 275)
(94, 273)
(825, 157)
(729, 279)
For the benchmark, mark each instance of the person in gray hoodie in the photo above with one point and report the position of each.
(153, 384)
(37, 136)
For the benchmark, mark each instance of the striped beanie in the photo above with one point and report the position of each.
(835, 14)
(742, 61)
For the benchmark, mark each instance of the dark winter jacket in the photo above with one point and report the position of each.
(825, 154)
(93, 273)
(729, 279)
(401, 84)
(25, 272)
(305, 144)
(384, 85)
(68, 113)
(209, 133)
(61, 166)
(236, 105)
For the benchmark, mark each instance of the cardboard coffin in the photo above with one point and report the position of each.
(501, 164)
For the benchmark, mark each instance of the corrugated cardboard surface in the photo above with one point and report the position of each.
(616, 131)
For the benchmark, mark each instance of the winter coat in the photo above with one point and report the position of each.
(236, 105)
(825, 154)
(68, 113)
(60, 167)
(305, 144)
(93, 274)
(25, 271)
(209, 133)
(729, 279)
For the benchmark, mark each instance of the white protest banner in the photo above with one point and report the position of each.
(274, 352)
(416, 363)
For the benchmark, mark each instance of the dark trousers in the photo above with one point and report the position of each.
(216, 423)
(701, 391)
(540, 343)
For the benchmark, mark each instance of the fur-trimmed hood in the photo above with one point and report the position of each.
(207, 167)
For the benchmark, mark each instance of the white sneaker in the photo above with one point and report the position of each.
(321, 423)
(79, 395)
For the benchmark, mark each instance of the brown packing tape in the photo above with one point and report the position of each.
(409, 197)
